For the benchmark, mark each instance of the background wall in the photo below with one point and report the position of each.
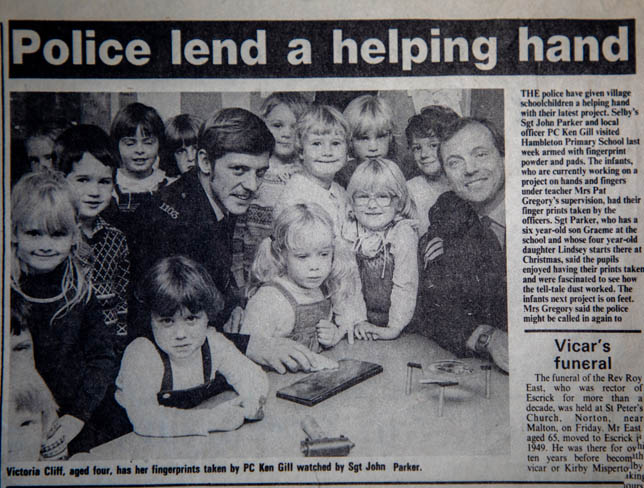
(31, 110)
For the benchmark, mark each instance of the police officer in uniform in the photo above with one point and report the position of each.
(195, 217)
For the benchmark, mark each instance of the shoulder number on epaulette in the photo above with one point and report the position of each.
(169, 210)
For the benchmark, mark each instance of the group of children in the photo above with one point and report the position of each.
(329, 249)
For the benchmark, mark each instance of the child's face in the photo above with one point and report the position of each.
(139, 152)
(371, 145)
(181, 335)
(93, 184)
(41, 251)
(40, 152)
(22, 351)
(308, 265)
(375, 209)
(186, 158)
(425, 151)
(323, 155)
(24, 435)
(281, 122)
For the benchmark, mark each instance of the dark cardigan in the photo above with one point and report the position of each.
(466, 285)
(74, 353)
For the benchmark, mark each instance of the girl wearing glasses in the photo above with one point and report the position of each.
(385, 238)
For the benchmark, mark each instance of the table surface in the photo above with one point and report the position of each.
(376, 414)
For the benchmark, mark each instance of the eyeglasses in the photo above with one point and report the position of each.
(363, 199)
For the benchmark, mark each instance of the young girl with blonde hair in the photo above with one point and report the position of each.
(295, 274)
(73, 349)
(371, 124)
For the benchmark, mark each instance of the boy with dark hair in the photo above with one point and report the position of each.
(423, 137)
(88, 158)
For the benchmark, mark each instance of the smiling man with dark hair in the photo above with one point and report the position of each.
(462, 302)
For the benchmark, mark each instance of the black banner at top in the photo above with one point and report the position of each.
(294, 49)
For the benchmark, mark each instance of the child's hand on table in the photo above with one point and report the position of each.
(369, 332)
(321, 362)
(383, 333)
(328, 333)
(280, 354)
(226, 416)
(253, 407)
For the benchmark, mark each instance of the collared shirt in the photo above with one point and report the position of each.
(219, 213)
(497, 222)
(149, 184)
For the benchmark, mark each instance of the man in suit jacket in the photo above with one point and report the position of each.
(462, 302)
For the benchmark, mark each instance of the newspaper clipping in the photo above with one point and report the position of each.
(287, 243)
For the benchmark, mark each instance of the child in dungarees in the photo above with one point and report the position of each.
(322, 142)
(184, 362)
(298, 268)
(386, 242)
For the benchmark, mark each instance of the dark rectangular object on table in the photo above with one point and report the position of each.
(318, 386)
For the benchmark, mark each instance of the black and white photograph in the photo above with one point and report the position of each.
(322, 244)
(229, 274)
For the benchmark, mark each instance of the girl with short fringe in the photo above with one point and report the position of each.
(371, 129)
(385, 238)
(139, 135)
(179, 153)
(182, 362)
(280, 112)
(298, 273)
(73, 349)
